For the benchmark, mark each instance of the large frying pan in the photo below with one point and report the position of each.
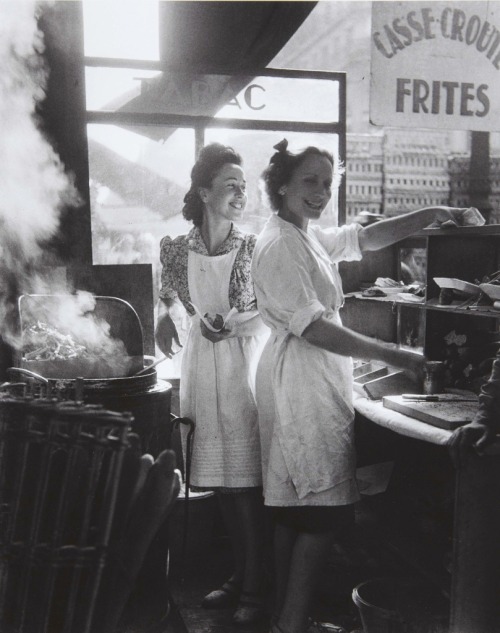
(124, 325)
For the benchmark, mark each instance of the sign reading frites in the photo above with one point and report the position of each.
(436, 65)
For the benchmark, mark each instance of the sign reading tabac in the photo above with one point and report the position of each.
(436, 65)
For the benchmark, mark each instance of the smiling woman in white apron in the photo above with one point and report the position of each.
(304, 378)
(208, 270)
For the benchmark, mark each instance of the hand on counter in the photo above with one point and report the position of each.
(474, 436)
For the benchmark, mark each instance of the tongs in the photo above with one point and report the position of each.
(148, 367)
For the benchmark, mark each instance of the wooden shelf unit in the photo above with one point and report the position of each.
(466, 253)
(442, 520)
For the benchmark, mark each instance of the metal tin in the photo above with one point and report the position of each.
(433, 377)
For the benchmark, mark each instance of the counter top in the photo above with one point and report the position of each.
(375, 411)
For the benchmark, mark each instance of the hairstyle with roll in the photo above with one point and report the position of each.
(282, 165)
(210, 161)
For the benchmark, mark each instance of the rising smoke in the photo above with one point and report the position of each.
(34, 187)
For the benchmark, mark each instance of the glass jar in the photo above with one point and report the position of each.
(433, 377)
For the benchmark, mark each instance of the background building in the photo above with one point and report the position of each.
(415, 170)
(364, 174)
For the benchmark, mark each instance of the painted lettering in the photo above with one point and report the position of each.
(451, 24)
(466, 96)
(394, 41)
(420, 97)
(428, 20)
(457, 25)
(401, 92)
(420, 94)
(403, 31)
(436, 97)
(234, 102)
(200, 93)
(416, 26)
(487, 31)
(472, 30)
(380, 46)
(444, 23)
(449, 87)
(249, 98)
(482, 97)
(494, 46)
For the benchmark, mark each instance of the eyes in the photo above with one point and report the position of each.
(314, 181)
(235, 186)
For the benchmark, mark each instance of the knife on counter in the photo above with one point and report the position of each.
(416, 397)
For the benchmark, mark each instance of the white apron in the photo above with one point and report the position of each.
(216, 385)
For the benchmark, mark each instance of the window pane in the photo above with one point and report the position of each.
(285, 99)
(122, 30)
(222, 96)
(138, 179)
(112, 91)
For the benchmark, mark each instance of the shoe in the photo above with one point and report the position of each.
(227, 596)
(250, 608)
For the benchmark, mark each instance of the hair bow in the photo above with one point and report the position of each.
(282, 146)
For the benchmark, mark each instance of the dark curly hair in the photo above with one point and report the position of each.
(282, 165)
(210, 161)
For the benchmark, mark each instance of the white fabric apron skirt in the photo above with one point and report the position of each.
(216, 388)
(306, 424)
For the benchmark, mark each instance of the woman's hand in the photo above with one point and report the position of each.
(474, 435)
(216, 337)
(166, 335)
(449, 216)
(414, 367)
(386, 232)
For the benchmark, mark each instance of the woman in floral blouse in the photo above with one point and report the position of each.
(208, 271)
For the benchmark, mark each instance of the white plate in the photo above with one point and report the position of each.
(458, 284)
(392, 290)
(492, 290)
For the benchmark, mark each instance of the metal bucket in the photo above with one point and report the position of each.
(400, 605)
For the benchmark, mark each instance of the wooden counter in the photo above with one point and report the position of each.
(474, 590)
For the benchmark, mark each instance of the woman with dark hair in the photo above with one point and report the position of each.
(208, 270)
(304, 376)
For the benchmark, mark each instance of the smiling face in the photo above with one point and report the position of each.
(308, 191)
(226, 197)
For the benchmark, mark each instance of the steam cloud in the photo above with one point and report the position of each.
(33, 185)
(34, 188)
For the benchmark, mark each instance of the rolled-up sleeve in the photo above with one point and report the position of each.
(340, 242)
(285, 293)
(305, 316)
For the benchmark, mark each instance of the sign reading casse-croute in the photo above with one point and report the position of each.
(436, 64)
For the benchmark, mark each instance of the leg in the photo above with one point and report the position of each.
(250, 514)
(310, 552)
(227, 504)
(228, 595)
(283, 543)
(250, 521)
(242, 514)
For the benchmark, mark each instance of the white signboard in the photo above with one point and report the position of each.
(436, 65)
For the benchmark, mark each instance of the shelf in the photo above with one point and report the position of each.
(387, 299)
(460, 231)
(487, 311)
(432, 304)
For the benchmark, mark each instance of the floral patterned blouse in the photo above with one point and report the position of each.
(174, 260)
